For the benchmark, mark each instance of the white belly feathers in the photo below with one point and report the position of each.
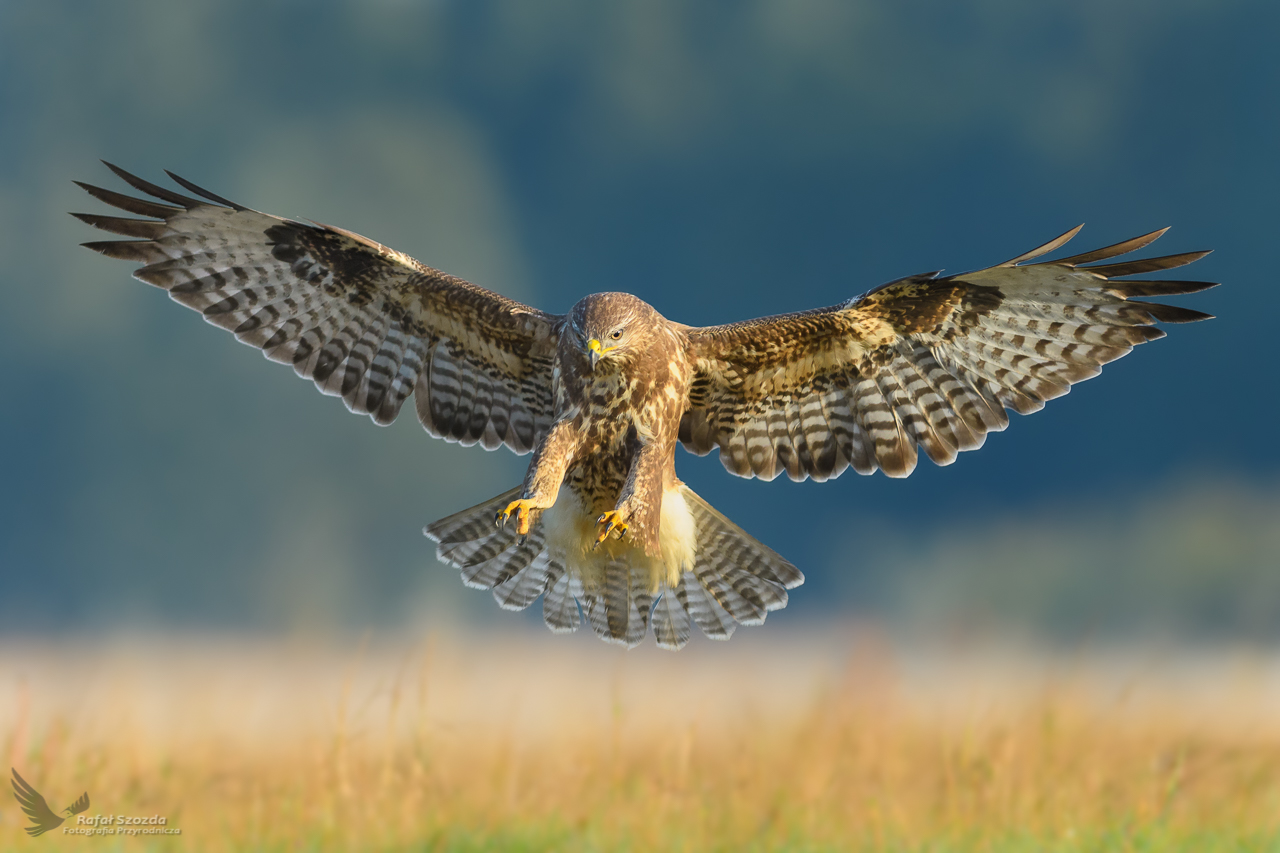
(571, 530)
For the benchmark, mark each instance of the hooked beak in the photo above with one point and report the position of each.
(594, 351)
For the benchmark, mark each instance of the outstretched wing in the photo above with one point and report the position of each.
(362, 321)
(34, 806)
(922, 361)
(79, 805)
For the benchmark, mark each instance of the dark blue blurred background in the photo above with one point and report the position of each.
(720, 160)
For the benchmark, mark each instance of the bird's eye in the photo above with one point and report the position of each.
(616, 334)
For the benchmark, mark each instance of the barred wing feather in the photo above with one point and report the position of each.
(362, 321)
(923, 362)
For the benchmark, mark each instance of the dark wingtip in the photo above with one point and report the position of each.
(1175, 313)
(1128, 288)
(152, 189)
(203, 193)
(142, 207)
(1165, 262)
(1114, 250)
(140, 251)
(143, 229)
(1054, 244)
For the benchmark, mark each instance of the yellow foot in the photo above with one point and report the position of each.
(612, 522)
(520, 509)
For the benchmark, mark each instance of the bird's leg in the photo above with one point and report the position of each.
(639, 507)
(611, 522)
(522, 510)
(551, 459)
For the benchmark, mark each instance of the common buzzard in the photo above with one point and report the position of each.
(601, 395)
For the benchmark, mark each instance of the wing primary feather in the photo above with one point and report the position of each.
(1056, 243)
(139, 251)
(151, 189)
(143, 229)
(1114, 250)
(1127, 289)
(128, 203)
(1166, 262)
(1174, 313)
(203, 193)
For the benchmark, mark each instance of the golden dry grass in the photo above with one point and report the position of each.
(833, 740)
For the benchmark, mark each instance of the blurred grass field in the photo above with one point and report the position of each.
(832, 740)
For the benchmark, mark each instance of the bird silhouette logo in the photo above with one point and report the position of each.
(42, 817)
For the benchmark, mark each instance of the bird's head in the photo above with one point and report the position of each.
(609, 329)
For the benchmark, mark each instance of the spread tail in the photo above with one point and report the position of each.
(723, 577)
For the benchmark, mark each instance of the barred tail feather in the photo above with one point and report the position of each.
(560, 606)
(712, 573)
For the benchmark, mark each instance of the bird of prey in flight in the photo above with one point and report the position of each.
(34, 806)
(601, 396)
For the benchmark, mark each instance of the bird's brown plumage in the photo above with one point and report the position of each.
(603, 394)
(364, 322)
(923, 361)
